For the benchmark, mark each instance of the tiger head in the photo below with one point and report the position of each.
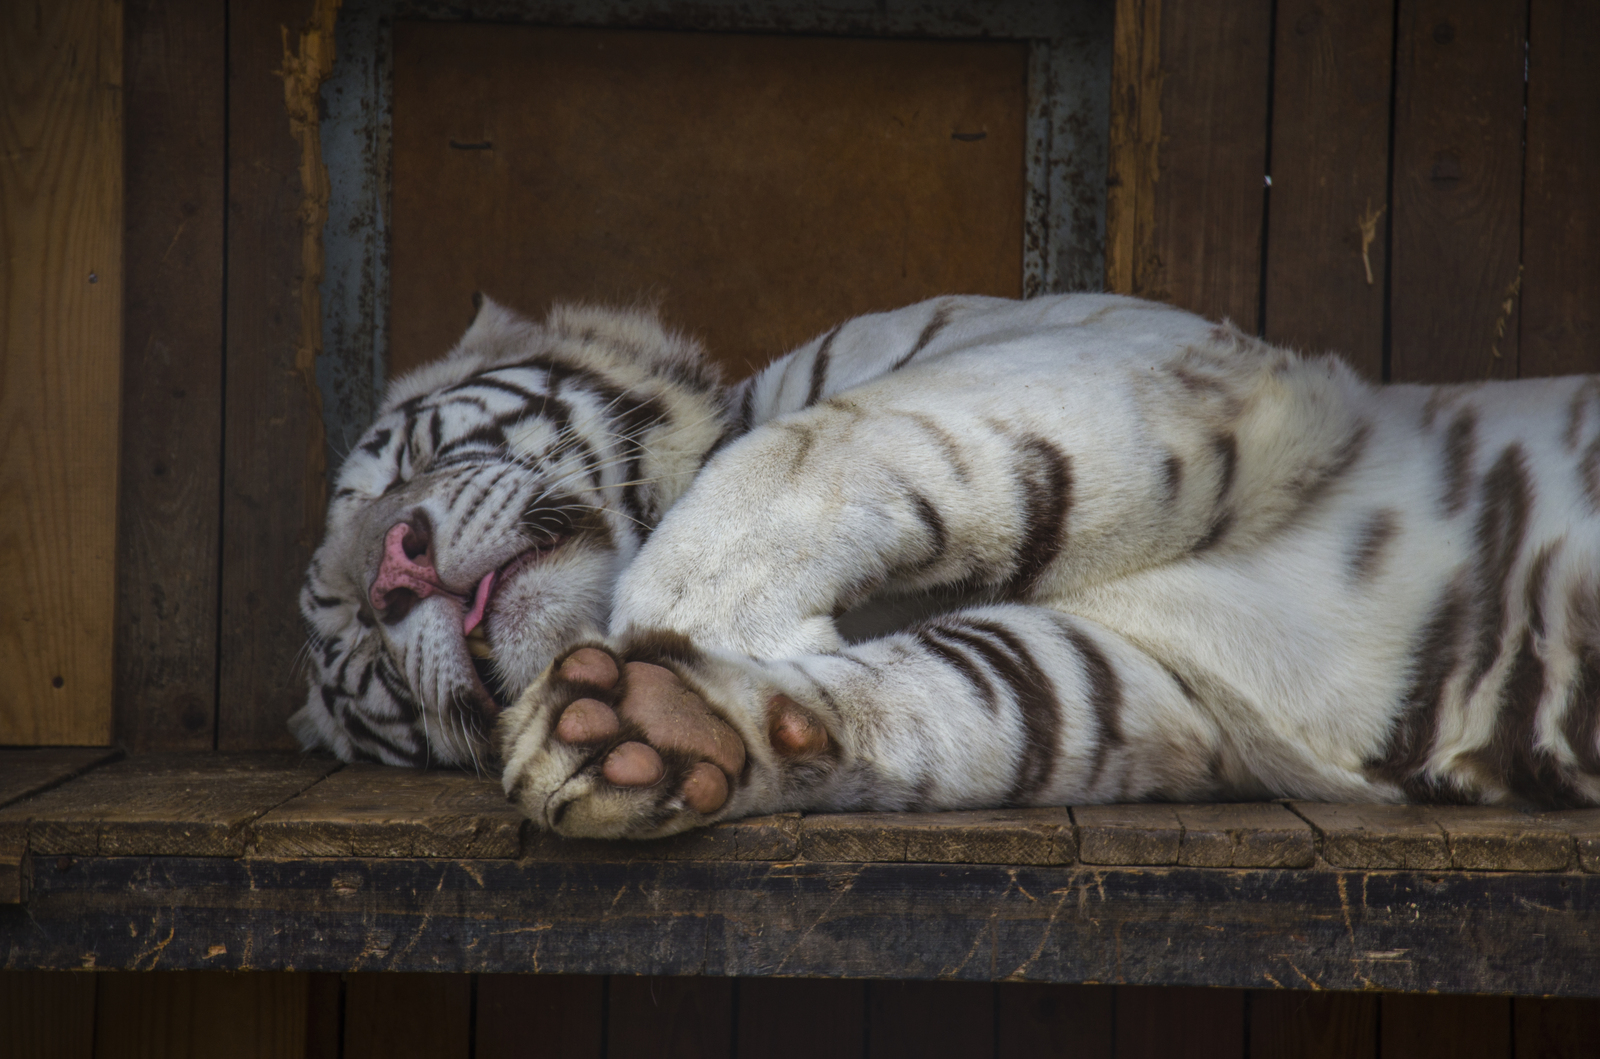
(480, 523)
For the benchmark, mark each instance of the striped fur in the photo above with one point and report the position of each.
(1077, 549)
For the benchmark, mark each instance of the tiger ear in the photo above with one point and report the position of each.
(492, 323)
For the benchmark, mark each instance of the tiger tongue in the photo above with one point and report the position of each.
(480, 600)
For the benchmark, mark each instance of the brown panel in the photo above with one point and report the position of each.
(1155, 1022)
(1457, 189)
(989, 836)
(324, 1015)
(1560, 209)
(1330, 156)
(548, 1016)
(1204, 250)
(168, 509)
(1134, 142)
(930, 1020)
(670, 1018)
(801, 1018)
(201, 1015)
(1444, 1027)
(47, 1013)
(1296, 1025)
(758, 189)
(273, 488)
(401, 1016)
(1555, 1029)
(1054, 1020)
(60, 347)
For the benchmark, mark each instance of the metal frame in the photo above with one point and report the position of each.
(1069, 84)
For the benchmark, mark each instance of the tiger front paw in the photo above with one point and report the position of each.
(609, 745)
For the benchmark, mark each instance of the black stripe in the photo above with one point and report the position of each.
(1035, 697)
(1105, 696)
(1460, 445)
(933, 522)
(927, 636)
(1044, 477)
(1172, 476)
(326, 601)
(379, 440)
(1580, 719)
(435, 430)
(936, 323)
(410, 709)
(1225, 447)
(1502, 528)
(819, 368)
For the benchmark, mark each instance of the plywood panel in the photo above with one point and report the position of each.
(758, 189)
(201, 1015)
(60, 342)
(1457, 189)
(166, 671)
(401, 1016)
(1561, 208)
(1326, 240)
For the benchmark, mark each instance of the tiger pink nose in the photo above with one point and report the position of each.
(399, 569)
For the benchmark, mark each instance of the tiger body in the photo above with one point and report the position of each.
(975, 553)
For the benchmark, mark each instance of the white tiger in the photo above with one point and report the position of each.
(971, 553)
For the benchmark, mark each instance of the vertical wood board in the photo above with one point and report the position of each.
(1155, 1022)
(1034, 1019)
(551, 1016)
(200, 1015)
(47, 1013)
(169, 505)
(407, 1016)
(930, 1020)
(1419, 1026)
(60, 347)
(1290, 1024)
(801, 1018)
(652, 1017)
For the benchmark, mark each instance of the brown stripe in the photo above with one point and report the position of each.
(1416, 723)
(819, 367)
(1580, 718)
(1044, 475)
(1172, 476)
(1226, 449)
(1105, 696)
(1219, 529)
(933, 522)
(1502, 527)
(1374, 536)
(1589, 472)
(941, 317)
(1460, 445)
(1345, 457)
(959, 660)
(1035, 697)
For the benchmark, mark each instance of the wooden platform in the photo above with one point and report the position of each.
(268, 861)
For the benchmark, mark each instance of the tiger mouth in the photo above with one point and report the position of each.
(475, 623)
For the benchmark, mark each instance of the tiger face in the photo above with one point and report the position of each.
(481, 522)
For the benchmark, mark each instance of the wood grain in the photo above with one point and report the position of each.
(1327, 228)
(1243, 835)
(169, 502)
(1445, 1027)
(1039, 1020)
(930, 1020)
(60, 348)
(164, 805)
(801, 1018)
(373, 811)
(26, 772)
(1155, 1022)
(1484, 838)
(1205, 248)
(758, 189)
(273, 478)
(407, 1016)
(201, 1015)
(1555, 1029)
(1457, 190)
(651, 1017)
(1377, 836)
(1560, 311)
(1128, 834)
(1135, 143)
(544, 1015)
(1290, 1024)
(997, 836)
(49, 1014)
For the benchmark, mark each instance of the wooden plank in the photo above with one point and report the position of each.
(374, 811)
(793, 181)
(1243, 835)
(200, 1015)
(324, 1015)
(1483, 838)
(774, 837)
(1445, 1027)
(163, 804)
(930, 1020)
(168, 504)
(999, 836)
(400, 1016)
(1157, 1022)
(1457, 189)
(1555, 1029)
(551, 1016)
(60, 347)
(25, 772)
(1327, 231)
(651, 1017)
(1523, 932)
(48, 1013)
(1377, 836)
(1560, 311)
(1584, 827)
(1128, 834)
(1135, 141)
(1074, 1020)
(801, 1018)
(1291, 1024)
(1204, 248)
(273, 487)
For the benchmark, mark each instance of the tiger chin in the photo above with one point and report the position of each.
(971, 553)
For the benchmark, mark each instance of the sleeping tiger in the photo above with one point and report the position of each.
(972, 553)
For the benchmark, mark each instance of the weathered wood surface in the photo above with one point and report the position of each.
(1007, 836)
(30, 771)
(60, 348)
(1529, 933)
